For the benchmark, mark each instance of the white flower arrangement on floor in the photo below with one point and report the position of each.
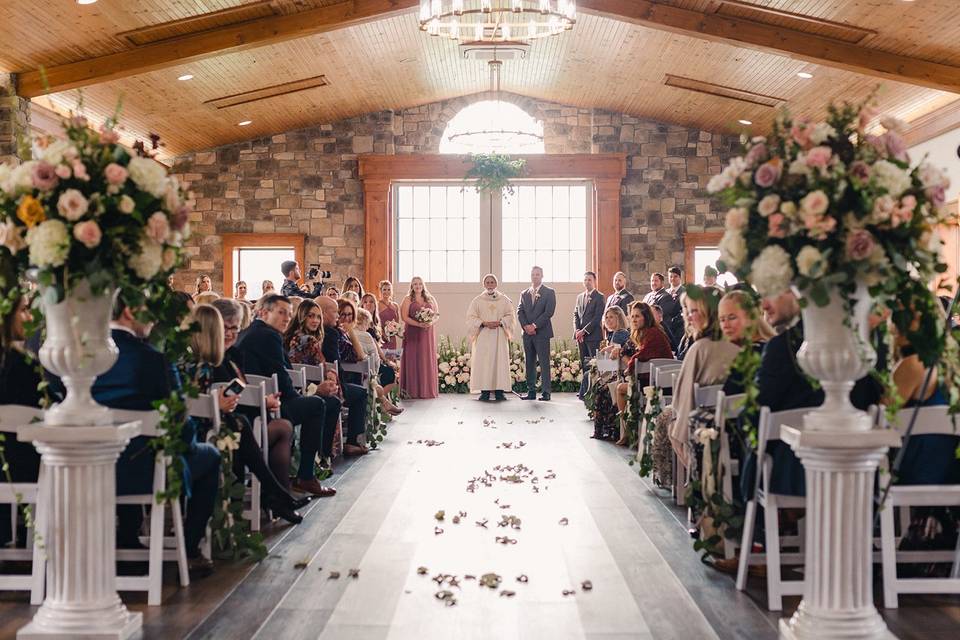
(453, 363)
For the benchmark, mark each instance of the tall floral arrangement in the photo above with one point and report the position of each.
(86, 209)
(828, 206)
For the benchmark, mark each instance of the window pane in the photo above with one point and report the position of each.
(438, 234)
(405, 241)
(404, 267)
(471, 233)
(421, 264)
(545, 260)
(454, 202)
(578, 202)
(526, 202)
(471, 266)
(561, 202)
(561, 266)
(438, 266)
(524, 263)
(438, 202)
(405, 204)
(256, 265)
(455, 266)
(510, 267)
(578, 233)
(510, 205)
(525, 233)
(471, 203)
(509, 238)
(578, 261)
(455, 234)
(561, 233)
(421, 234)
(544, 233)
(544, 202)
(421, 202)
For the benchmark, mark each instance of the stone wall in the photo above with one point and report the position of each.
(14, 119)
(306, 181)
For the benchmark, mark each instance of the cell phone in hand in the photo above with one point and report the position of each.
(235, 388)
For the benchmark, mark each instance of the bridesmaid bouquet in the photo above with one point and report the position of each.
(393, 329)
(426, 316)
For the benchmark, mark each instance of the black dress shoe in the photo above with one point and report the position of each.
(287, 514)
(530, 396)
(199, 567)
(499, 396)
(545, 397)
(484, 396)
(300, 503)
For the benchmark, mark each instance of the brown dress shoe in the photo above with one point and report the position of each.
(314, 487)
(354, 450)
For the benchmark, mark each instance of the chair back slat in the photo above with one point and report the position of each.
(641, 367)
(706, 396)
(271, 385)
(930, 420)
(665, 376)
(149, 420)
(311, 373)
(298, 379)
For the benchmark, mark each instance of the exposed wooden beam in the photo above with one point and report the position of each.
(933, 124)
(226, 39)
(795, 44)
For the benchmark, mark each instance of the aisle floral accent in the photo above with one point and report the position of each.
(453, 362)
(827, 205)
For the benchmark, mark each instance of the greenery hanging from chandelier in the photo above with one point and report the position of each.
(493, 172)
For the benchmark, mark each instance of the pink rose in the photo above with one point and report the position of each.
(158, 228)
(78, 122)
(115, 174)
(895, 146)
(815, 203)
(818, 227)
(775, 226)
(109, 136)
(756, 154)
(859, 244)
(903, 213)
(63, 171)
(768, 173)
(44, 176)
(800, 132)
(860, 170)
(80, 170)
(937, 195)
(72, 205)
(883, 208)
(87, 233)
(819, 157)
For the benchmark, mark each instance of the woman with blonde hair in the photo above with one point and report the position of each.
(206, 297)
(374, 355)
(353, 284)
(204, 283)
(209, 344)
(604, 411)
(389, 313)
(418, 363)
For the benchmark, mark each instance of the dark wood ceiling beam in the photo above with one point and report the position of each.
(795, 44)
(226, 39)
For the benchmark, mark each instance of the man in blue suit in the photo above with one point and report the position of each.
(140, 376)
(536, 308)
(588, 326)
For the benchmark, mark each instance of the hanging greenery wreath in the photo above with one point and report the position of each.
(493, 172)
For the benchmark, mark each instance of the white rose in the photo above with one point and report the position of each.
(56, 150)
(49, 244)
(768, 205)
(892, 124)
(771, 272)
(931, 176)
(820, 132)
(809, 261)
(733, 249)
(147, 263)
(127, 204)
(566, 377)
(737, 218)
(799, 168)
(889, 176)
(444, 367)
(5, 171)
(11, 237)
(789, 209)
(21, 178)
(719, 182)
(449, 379)
(149, 175)
(463, 377)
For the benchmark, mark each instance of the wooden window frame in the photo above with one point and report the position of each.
(233, 241)
(690, 243)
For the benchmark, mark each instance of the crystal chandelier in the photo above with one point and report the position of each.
(496, 20)
(491, 136)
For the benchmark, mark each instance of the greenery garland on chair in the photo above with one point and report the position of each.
(493, 172)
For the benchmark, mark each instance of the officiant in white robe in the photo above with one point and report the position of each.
(490, 327)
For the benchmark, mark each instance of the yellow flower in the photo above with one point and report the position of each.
(30, 211)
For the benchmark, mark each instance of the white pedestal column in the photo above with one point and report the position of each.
(838, 569)
(76, 514)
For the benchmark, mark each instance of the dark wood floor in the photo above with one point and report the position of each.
(624, 537)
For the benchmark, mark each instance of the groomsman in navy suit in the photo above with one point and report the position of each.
(534, 312)
(620, 296)
(588, 325)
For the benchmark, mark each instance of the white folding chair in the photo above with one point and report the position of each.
(769, 431)
(706, 396)
(12, 418)
(930, 420)
(317, 374)
(158, 549)
(298, 379)
(728, 408)
(362, 367)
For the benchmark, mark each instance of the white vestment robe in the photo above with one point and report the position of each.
(490, 363)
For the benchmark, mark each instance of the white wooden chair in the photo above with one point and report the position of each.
(769, 431)
(12, 417)
(930, 420)
(362, 368)
(298, 379)
(158, 549)
(317, 374)
(728, 408)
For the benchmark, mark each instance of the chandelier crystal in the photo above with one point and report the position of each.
(496, 20)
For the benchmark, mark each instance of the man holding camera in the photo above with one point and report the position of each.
(291, 274)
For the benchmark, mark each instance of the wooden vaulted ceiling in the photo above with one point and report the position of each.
(252, 59)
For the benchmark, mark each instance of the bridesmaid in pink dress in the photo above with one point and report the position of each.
(389, 311)
(418, 364)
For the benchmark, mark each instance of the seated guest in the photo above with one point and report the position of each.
(353, 285)
(339, 347)
(19, 384)
(710, 277)
(210, 345)
(671, 311)
(605, 416)
(929, 458)
(389, 311)
(388, 366)
(647, 341)
(140, 376)
(303, 339)
(374, 354)
(707, 362)
(240, 291)
(264, 355)
(332, 292)
(658, 318)
(266, 287)
(206, 297)
(246, 314)
(352, 297)
(742, 325)
(204, 284)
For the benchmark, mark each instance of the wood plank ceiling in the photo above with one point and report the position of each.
(390, 64)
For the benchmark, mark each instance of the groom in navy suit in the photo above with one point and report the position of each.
(536, 308)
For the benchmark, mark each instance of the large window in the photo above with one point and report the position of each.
(255, 257)
(447, 232)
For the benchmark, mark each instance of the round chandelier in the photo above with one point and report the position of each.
(496, 20)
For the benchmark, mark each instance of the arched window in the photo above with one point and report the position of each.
(492, 126)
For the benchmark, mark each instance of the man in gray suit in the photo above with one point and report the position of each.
(536, 308)
(588, 325)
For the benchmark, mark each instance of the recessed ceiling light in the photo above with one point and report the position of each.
(86, 1)
(244, 123)
(744, 121)
(186, 76)
(804, 75)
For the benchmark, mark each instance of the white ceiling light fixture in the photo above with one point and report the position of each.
(496, 20)
(186, 76)
(86, 1)
(488, 134)
(804, 75)
(244, 123)
(745, 122)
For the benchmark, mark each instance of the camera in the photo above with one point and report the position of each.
(315, 273)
